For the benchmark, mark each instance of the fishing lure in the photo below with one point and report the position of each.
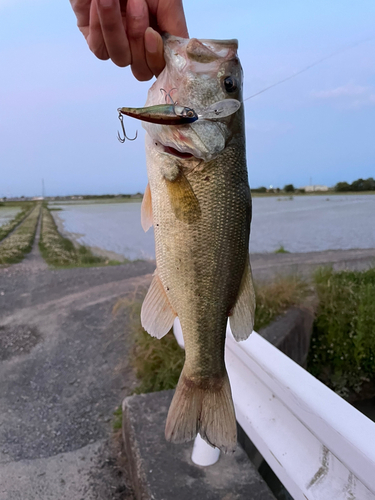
(164, 114)
(174, 114)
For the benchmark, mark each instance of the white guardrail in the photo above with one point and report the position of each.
(319, 446)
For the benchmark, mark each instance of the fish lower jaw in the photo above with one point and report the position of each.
(179, 154)
(187, 154)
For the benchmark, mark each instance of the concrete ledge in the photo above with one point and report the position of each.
(291, 333)
(164, 471)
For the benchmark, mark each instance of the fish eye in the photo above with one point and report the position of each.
(190, 113)
(230, 84)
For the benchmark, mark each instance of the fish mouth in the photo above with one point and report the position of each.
(179, 154)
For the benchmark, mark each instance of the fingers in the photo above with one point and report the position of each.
(112, 28)
(81, 9)
(171, 18)
(102, 22)
(95, 38)
(154, 51)
(137, 21)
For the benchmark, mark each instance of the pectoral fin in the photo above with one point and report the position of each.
(146, 210)
(242, 318)
(184, 203)
(157, 315)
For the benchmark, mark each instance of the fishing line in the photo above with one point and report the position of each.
(309, 66)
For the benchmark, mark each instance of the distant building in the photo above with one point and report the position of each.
(310, 189)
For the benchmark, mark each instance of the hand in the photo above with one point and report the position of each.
(121, 30)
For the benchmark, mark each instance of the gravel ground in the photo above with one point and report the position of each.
(64, 369)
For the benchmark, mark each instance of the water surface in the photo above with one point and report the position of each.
(313, 223)
(300, 224)
(7, 214)
(115, 227)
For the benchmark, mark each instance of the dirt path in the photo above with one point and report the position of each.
(61, 349)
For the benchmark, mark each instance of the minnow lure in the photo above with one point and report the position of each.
(164, 114)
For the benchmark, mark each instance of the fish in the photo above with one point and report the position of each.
(198, 201)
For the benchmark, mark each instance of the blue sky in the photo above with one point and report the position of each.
(58, 103)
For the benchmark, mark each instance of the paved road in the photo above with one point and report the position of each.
(63, 370)
(267, 266)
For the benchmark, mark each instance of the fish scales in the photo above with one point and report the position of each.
(201, 264)
(199, 203)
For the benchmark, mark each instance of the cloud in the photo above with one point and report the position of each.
(348, 96)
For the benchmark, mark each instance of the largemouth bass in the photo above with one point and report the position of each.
(198, 200)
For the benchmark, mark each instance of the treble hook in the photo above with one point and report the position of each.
(168, 94)
(122, 140)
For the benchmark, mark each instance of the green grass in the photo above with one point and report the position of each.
(26, 209)
(20, 242)
(281, 249)
(158, 363)
(342, 348)
(275, 298)
(117, 421)
(61, 252)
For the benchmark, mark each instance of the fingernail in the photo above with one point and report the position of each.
(151, 41)
(137, 8)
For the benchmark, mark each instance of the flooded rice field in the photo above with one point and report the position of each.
(299, 224)
(115, 227)
(7, 214)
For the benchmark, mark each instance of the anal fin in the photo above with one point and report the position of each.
(157, 314)
(146, 210)
(242, 317)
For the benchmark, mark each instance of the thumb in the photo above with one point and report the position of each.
(154, 49)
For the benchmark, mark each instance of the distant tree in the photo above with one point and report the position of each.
(358, 185)
(261, 189)
(289, 188)
(369, 184)
(342, 186)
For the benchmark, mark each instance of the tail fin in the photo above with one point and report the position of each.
(205, 408)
